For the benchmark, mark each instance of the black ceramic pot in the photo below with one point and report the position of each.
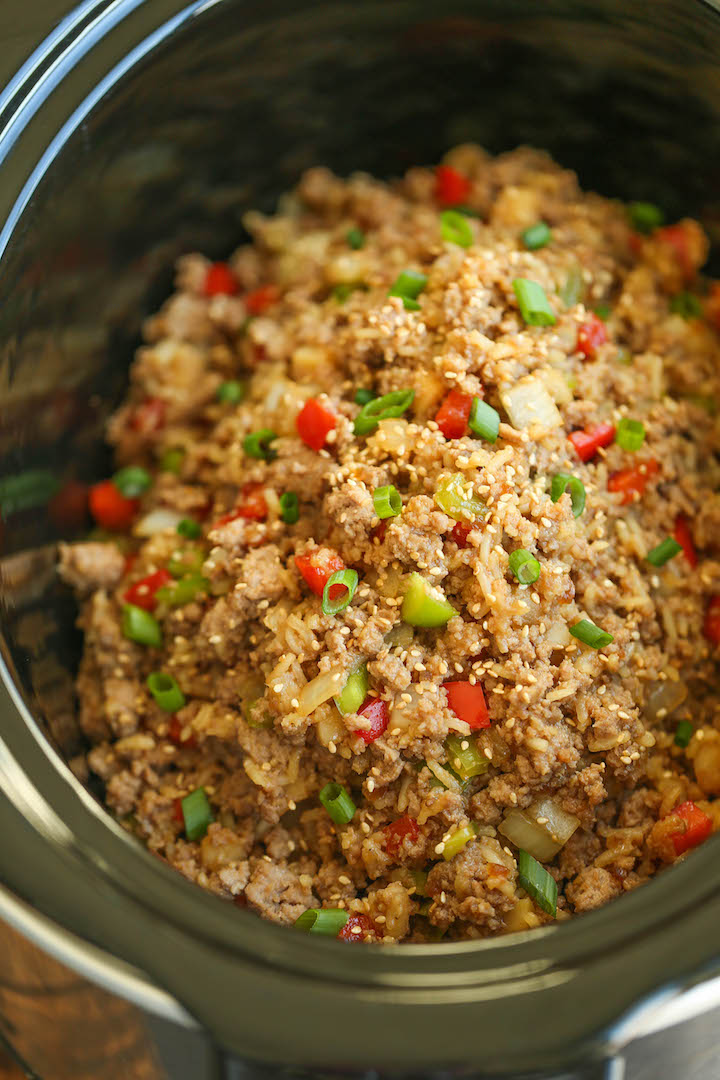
(141, 128)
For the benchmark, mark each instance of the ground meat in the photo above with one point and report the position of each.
(449, 686)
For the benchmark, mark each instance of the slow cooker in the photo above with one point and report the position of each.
(131, 130)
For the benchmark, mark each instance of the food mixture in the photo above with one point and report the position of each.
(403, 613)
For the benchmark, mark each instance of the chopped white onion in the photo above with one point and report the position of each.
(664, 697)
(161, 519)
(528, 402)
(320, 689)
(541, 838)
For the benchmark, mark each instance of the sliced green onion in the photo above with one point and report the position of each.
(166, 691)
(603, 311)
(289, 507)
(630, 434)
(354, 691)
(35, 487)
(231, 392)
(645, 216)
(338, 803)
(383, 408)
(408, 285)
(363, 396)
(484, 421)
(132, 481)
(457, 841)
(140, 626)
(455, 229)
(265, 721)
(345, 288)
(524, 566)
(184, 591)
(664, 552)
(624, 356)
(196, 814)
(387, 501)
(186, 562)
(572, 289)
(563, 482)
(455, 497)
(537, 883)
(425, 605)
(590, 634)
(190, 529)
(328, 921)
(349, 579)
(355, 238)
(420, 881)
(537, 236)
(257, 444)
(172, 460)
(686, 304)
(533, 303)
(684, 733)
(466, 761)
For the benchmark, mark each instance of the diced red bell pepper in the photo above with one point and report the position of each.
(683, 537)
(453, 415)
(461, 531)
(397, 831)
(68, 508)
(679, 239)
(587, 443)
(378, 533)
(376, 711)
(110, 508)
(451, 187)
(591, 335)
(149, 416)
(467, 701)
(711, 626)
(259, 300)
(635, 243)
(178, 812)
(698, 827)
(356, 928)
(220, 280)
(632, 482)
(314, 423)
(253, 505)
(175, 728)
(142, 593)
(317, 565)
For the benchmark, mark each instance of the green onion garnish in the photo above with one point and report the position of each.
(387, 501)
(328, 921)
(425, 605)
(457, 841)
(166, 691)
(563, 482)
(185, 562)
(537, 883)
(231, 392)
(349, 579)
(139, 625)
(132, 481)
(338, 803)
(189, 529)
(383, 408)
(533, 303)
(289, 507)
(196, 814)
(630, 434)
(172, 460)
(524, 566)
(184, 591)
(590, 634)
(25, 490)
(345, 288)
(645, 216)
(466, 762)
(420, 879)
(354, 691)
(257, 444)
(684, 733)
(664, 552)
(484, 421)
(603, 311)
(455, 229)
(571, 291)
(355, 238)
(408, 285)
(686, 304)
(537, 236)
(363, 396)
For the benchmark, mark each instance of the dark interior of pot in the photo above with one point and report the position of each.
(223, 117)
